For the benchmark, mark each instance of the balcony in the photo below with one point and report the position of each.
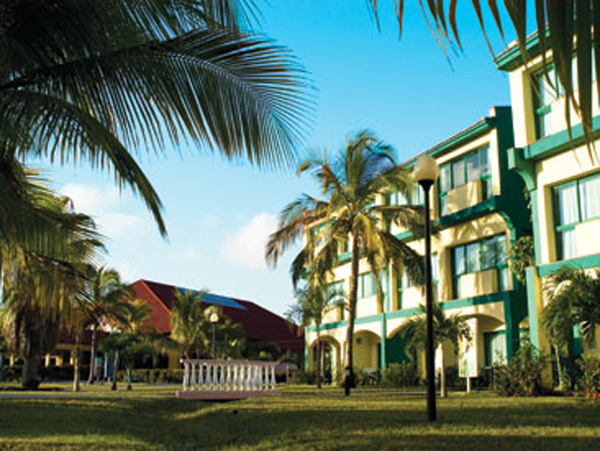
(478, 283)
(464, 196)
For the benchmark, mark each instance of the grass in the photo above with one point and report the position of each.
(150, 417)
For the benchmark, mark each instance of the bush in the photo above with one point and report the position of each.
(400, 375)
(589, 382)
(153, 376)
(522, 375)
(368, 376)
(304, 377)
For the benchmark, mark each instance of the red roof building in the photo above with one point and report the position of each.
(259, 323)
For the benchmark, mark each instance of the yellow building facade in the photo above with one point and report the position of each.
(479, 209)
(562, 175)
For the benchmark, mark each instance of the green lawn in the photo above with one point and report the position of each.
(150, 417)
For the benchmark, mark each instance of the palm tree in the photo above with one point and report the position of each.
(40, 289)
(563, 23)
(89, 80)
(363, 172)
(189, 323)
(573, 299)
(103, 304)
(127, 340)
(312, 301)
(446, 329)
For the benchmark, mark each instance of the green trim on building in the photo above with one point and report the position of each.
(589, 261)
(478, 300)
(467, 214)
(559, 142)
(530, 283)
(523, 167)
(511, 58)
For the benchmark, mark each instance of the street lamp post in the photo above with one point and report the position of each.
(425, 173)
(214, 319)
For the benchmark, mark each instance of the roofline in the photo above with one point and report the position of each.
(154, 294)
(511, 58)
(473, 131)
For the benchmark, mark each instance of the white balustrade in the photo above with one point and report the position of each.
(235, 378)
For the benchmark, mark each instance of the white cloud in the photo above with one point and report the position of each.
(103, 204)
(246, 247)
(90, 199)
(122, 225)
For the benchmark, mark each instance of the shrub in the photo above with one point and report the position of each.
(304, 377)
(153, 376)
(400, 375)
(589, 382)
(522, 375)
(368, 376)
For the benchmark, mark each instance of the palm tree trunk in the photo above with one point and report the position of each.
(319, 366)
(128, 378)
(115, 366)
(31, 371)
(76, 366)
(559, 366)
(92, 373)
(443, 393)
(349, 364)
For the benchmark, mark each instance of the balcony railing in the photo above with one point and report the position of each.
(227, 379)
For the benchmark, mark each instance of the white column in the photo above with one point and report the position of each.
(208, 377)
(193, 378)
(247, 378)
(200, 376)
(185, 375)
(273, 381)
(236, 380)
(215, 376)
(228, 380)
(221, 377)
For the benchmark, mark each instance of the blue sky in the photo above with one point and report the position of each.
(219, 212)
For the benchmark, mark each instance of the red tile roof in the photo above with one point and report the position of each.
(259, 323)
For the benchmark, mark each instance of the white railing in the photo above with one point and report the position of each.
(232, 378)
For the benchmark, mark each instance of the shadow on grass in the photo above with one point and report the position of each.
(323, 420)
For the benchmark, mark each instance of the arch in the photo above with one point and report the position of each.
(367, 349)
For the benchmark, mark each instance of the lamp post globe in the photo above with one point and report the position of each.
(425, 173)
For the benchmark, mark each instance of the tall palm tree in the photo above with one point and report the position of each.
(352, 184)
(189, 323)
(103, 303)
(40, 289)
(446, 329)
(573, 299)
(89, 80)
(563, 23)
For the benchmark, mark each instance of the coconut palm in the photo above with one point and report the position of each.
(41, 289)
(89, 80)
(102, 304)
(573, 299)
(563, 23)
(446, 329)
(189, 323)
(312, 300)
(352, 184)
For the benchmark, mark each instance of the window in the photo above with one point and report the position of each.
(404, 282)
(366, 285)
(472, 166)
(546, 89)
(413, 197)
(574, 202)
(480, 256)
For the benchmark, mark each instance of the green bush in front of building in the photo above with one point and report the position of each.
(522, 374)
(400, 375)
(589, 382)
